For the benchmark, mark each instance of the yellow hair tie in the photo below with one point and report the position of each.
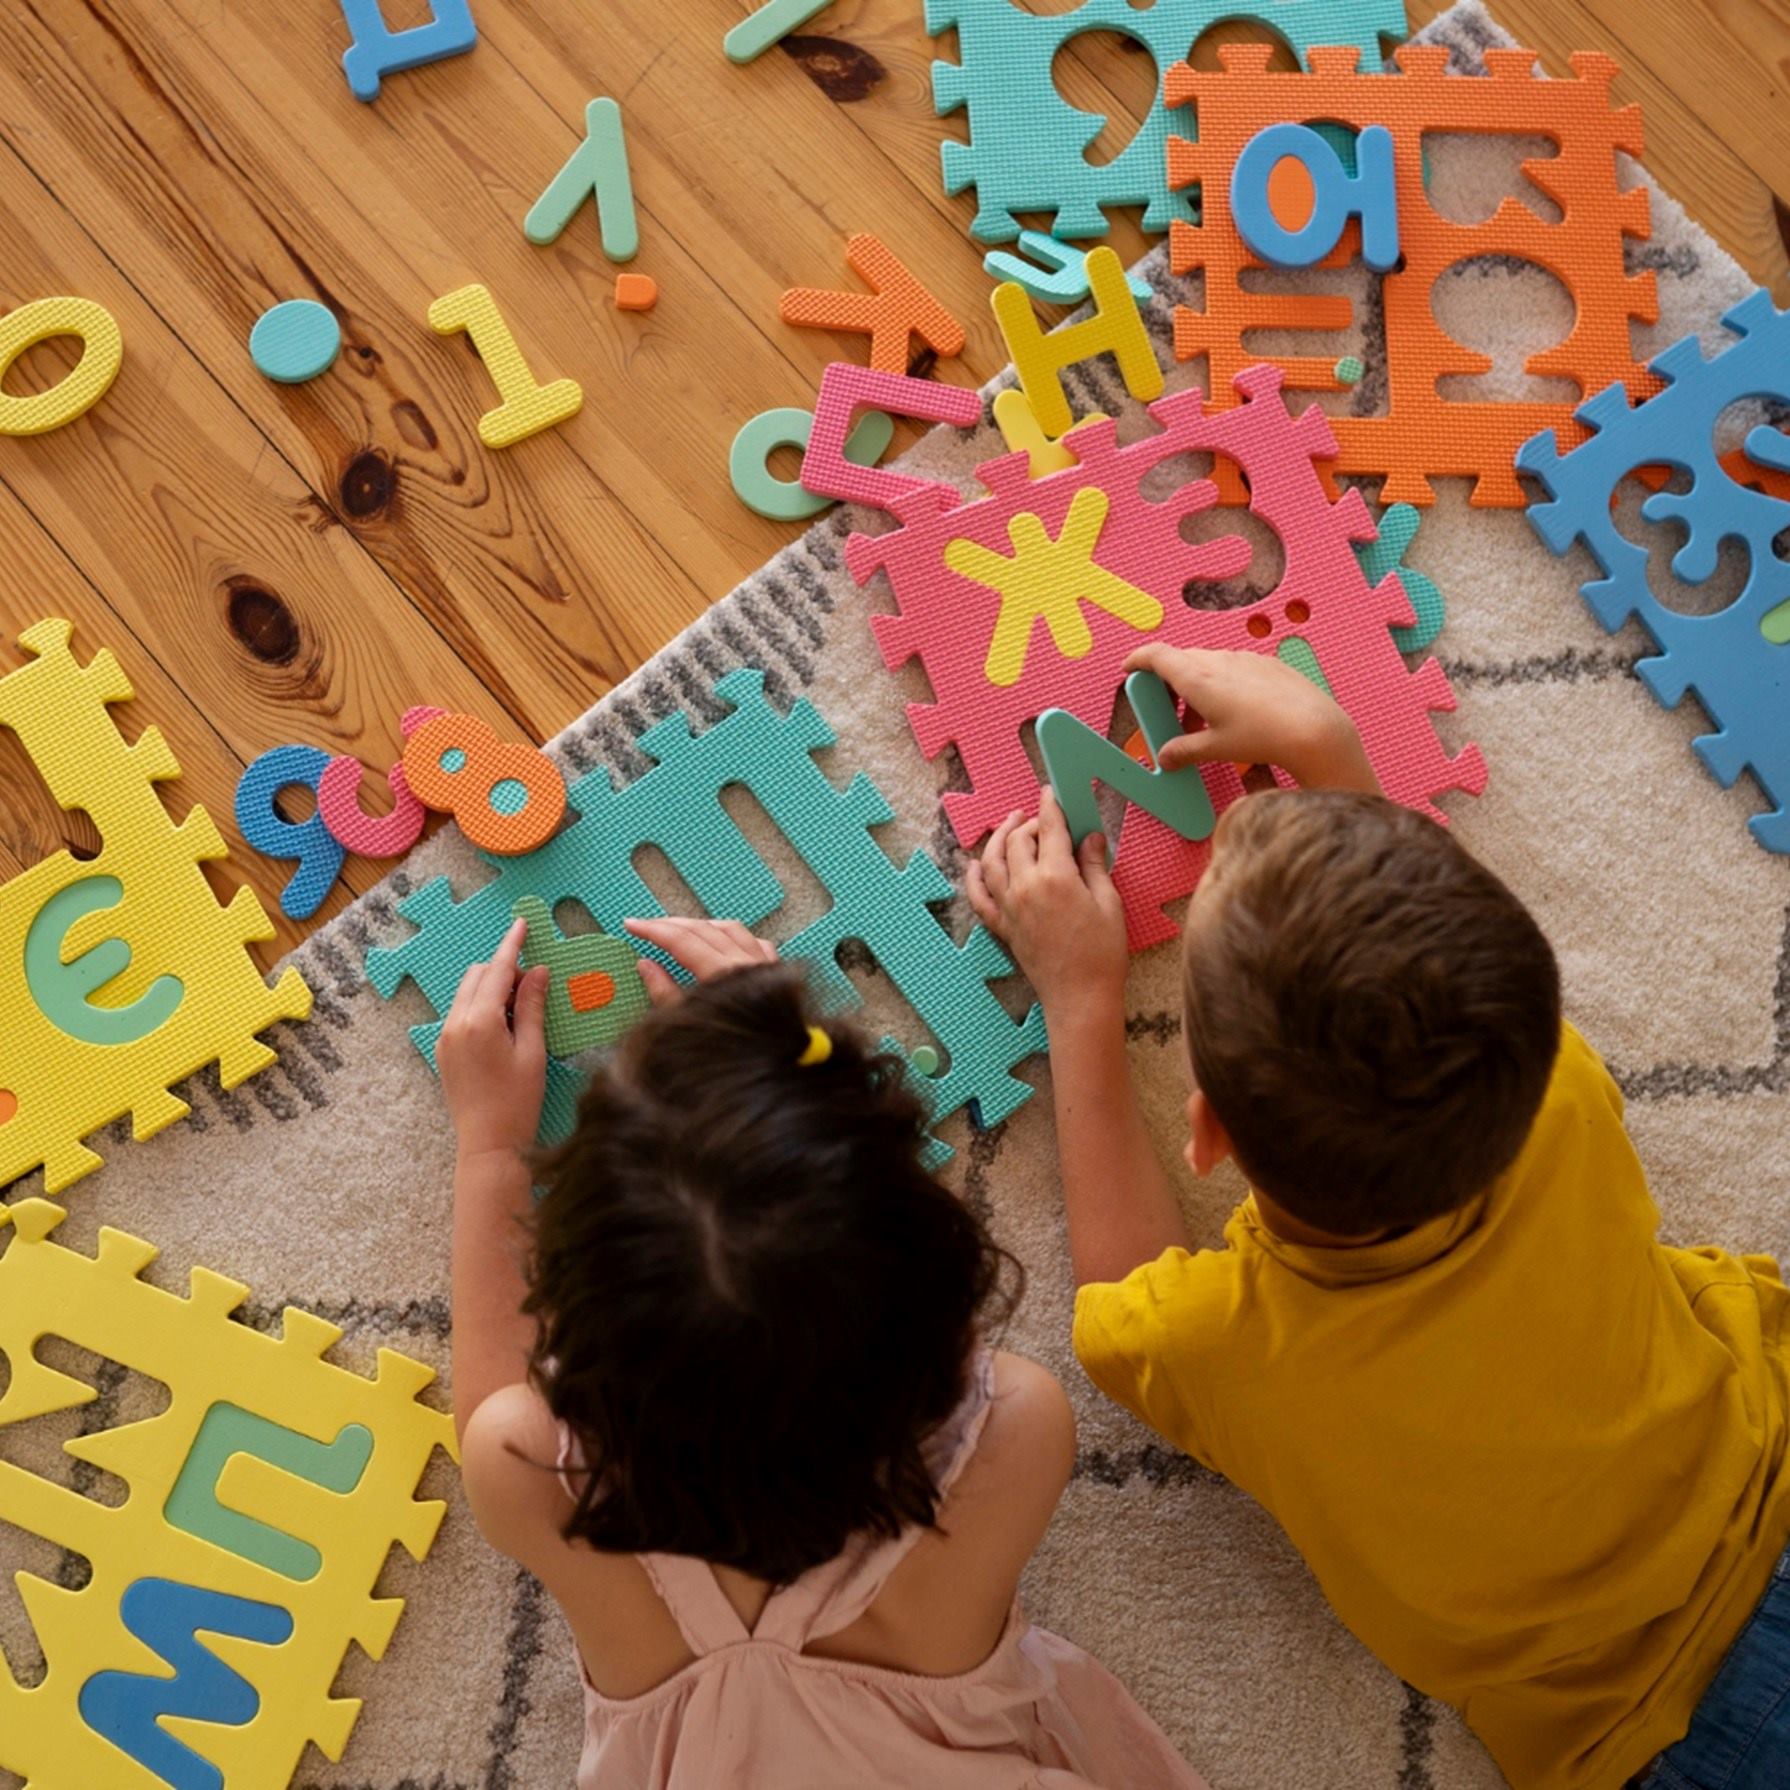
(817, 1050)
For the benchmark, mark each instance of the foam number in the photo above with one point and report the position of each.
(102, 353)
(127, 1708)
(227, 1431)
(1076, 758)
(1116, 328)
(528, 407)
(378, 50)
(319, 854)
(63, 990)
(1290, 168)
(508, 798)
(349, 824)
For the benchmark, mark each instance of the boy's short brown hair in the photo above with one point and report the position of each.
(1371, 1013)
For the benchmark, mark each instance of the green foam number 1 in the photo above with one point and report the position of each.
(63, 991)
(1076, 758)
(229, 1430)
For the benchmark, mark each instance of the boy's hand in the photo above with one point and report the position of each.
(706, 948)
(493, 1066)
(1055, 909)
(1258, 710)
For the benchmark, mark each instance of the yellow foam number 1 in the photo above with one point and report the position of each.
(528, 407)
(102, 350)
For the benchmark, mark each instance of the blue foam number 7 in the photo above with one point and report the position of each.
(318, 852)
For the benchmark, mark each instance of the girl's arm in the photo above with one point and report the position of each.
(493, 1072)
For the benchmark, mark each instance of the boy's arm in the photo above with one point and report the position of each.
(1120, 1206)
(1259, 710)
(1059, 913)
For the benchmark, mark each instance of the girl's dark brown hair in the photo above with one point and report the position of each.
(754, 1304)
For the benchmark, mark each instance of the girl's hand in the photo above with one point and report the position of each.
(1258, 710)
(706, 948)
(1054, 908)
(493, 1066)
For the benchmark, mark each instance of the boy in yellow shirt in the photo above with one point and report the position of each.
(1535, 1458)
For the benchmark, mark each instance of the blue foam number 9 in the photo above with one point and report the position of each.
(319, 854)
(63, 991)
(1370, 193)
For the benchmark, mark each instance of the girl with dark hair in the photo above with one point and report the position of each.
(725, 1392)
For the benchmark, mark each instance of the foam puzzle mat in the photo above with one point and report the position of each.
(133, 975)
(1423, 434)
(226, 1589)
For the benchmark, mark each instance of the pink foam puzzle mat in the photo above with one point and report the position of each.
(1078, 632)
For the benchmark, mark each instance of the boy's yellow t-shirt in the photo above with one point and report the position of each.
(1535, 1458)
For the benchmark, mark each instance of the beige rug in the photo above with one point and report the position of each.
(325, 1181)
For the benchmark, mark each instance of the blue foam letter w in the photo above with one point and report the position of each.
(125, 1707)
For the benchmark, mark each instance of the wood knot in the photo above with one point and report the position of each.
(368, 484)
(840, 70)
(262, 622)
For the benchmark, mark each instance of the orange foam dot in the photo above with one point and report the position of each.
(635, 292)
(1291, 195)
(590, 991)
(9, 1104)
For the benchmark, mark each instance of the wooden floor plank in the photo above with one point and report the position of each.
(548, 588)
(222, 563)
(42, 581)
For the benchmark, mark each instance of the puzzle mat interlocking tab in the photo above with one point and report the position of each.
(1725, 659)
(209, 1363)
(166, 923)
(676, 806)
(1424, 434)
(947, 620)
(1027, 144)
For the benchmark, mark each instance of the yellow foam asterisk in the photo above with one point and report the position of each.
(1051, 579)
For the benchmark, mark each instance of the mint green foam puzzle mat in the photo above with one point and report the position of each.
(676, 805)
(1027, 147)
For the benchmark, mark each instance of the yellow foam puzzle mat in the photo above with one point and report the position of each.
(85, 383)
(123, 974)
(263, 1501)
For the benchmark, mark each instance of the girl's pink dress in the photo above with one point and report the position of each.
(753, 1711)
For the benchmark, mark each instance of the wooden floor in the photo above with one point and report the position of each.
(301, 563)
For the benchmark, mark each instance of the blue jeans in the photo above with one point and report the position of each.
(1739, 1738)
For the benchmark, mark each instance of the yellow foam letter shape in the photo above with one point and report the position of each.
(528, 407)
(102, 350)
(1117, 327)
(1018, 425)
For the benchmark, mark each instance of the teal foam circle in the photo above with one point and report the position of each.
(509, 796)
(295, 341)
(453, 761)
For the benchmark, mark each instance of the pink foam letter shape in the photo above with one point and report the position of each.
(845, 389)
